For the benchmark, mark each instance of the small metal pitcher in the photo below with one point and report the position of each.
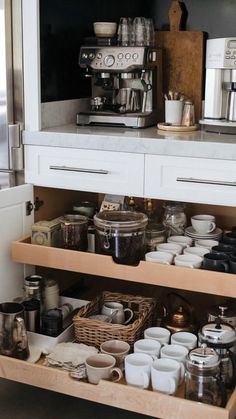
(13, 336)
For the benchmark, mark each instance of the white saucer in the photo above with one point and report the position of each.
(189, 231)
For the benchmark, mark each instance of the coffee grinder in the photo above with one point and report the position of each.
(126, 85)
(220, 86)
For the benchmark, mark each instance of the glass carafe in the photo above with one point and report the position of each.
(202, 379)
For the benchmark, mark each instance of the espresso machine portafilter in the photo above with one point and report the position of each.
(126, 85)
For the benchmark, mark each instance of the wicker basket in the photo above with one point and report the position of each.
(94, 332)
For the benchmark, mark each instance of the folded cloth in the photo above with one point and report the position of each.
(69, 355)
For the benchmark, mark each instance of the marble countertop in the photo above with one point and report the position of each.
(146, 141)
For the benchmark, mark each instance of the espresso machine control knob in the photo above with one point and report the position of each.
(109, 60)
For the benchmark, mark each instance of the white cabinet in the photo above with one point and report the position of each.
(85, 170)
(209, 181)
(14, 223)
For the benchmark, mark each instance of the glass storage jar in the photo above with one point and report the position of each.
(121, 234)
(74, 228)
(174, 218)
(155, 234)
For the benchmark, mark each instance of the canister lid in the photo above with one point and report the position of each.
(125, 220)
(203, 358)
(34, 281)
(74, 217)
(218, 333)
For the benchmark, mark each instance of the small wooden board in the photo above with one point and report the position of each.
(177, 128)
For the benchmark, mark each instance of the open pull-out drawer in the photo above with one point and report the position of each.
(196, 280)
(119, 395)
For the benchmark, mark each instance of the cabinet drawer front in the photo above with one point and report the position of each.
(85, 170)
(191, 179)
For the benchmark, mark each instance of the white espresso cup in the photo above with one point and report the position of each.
(181, 240)
(101, 367)
(186, 339)
(159, 257)
(161, 334)
(138, 369)
(172, 248)
(189, 261)
(148, 346)
(203, 223)
(165, 375)
(177, 352)
(199, 251)
(207, 244)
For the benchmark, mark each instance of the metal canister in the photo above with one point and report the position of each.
(33, 286)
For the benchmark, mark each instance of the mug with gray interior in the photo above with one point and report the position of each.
(216, 262)
(224, 248)
(230, 238)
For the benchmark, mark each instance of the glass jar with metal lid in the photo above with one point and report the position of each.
(33, 286)
(121, 234)
(202, 378)
(174, 218)
(74, 228)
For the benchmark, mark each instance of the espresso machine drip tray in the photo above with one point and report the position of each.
(131, 120)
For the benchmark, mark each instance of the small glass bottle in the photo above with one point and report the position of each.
(174, 218)
(188, 117)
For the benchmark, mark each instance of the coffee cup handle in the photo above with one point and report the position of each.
(131, 315)
(116, 372)
(213, 226)
(146, 379)
(226, 266)
(172, 385)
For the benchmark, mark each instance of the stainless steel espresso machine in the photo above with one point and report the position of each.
(220, 87)
(126, 84)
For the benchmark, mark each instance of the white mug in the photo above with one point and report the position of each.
(189, 261)
(181, 240)
(165, 375)
(203, 223)
(177, 352)
(199, 251)
(172, 248)
(117, 312)
(187, 339)
(161, 334)
(207, 244)
(159, 257)
(173, 111)
(148, 346)
(138, 369)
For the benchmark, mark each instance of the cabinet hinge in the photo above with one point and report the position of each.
(29, 206)
(16, 155)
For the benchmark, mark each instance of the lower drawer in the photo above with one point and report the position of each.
(85, 170)
(208, 181)
(118, 395)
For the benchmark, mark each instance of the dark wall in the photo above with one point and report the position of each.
(64, 24)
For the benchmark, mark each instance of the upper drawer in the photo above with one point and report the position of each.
(85, 170)
(190, 179)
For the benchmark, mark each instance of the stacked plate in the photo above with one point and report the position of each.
(214, 235)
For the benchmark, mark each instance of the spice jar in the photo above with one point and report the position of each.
(155, 234)
(188, 117)
(174, 218)
(121, 234)
(74, 229)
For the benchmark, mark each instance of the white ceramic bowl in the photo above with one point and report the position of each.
(189, 261)
(104, 29)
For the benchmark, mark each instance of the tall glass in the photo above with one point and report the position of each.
(139, 28)
(125, 31)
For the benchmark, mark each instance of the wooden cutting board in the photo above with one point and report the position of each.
(183, 52)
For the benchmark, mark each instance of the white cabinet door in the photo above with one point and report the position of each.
(209, 181)
(85, 170)
(14, 224)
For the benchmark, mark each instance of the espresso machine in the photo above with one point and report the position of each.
(220, 86)
(126, 85)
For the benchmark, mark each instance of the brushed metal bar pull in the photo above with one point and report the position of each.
(205, 181)
(79, 169)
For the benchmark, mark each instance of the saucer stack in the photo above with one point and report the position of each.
(214, 235)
